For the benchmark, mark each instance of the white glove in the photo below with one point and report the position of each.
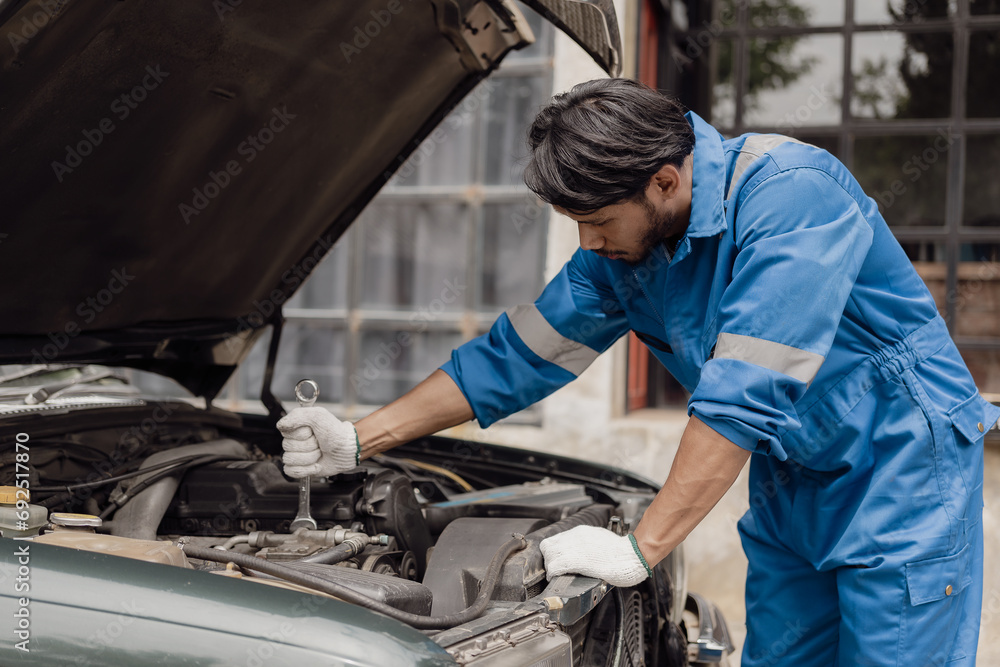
(317, 443)
(595, 552)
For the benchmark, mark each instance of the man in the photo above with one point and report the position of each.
(769, 285)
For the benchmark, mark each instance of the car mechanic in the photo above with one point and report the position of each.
(771, 287)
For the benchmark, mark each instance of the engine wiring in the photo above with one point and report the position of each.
(406, 465)
(444, 472)
(176, 463)
(182, 464)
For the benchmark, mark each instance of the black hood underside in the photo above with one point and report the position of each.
(172, 171)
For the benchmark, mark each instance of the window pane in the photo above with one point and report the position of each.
(980, 7)
(905, 175)
(326, 286)
(794, 81)
(901, 11)
(788, 13)
(925, 251)
(513, 103)
(930, 262)
(981, 99)
(414, 253)
(393, 362)
(900, 75)
(513, 253)
(723, 86)
(446, 156)
(982, 186)
(977, 301)
(985, 368)
(308, 350)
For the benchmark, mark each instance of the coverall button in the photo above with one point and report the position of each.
(947, 589)
(980, 427)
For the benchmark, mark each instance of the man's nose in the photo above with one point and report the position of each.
(590, 238)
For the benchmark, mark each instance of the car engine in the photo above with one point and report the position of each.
(416, 534)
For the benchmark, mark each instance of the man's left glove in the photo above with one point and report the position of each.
(595, 552)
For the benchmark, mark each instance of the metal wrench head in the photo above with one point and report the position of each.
(306, 392)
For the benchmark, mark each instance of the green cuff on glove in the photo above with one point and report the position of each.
(635, 548)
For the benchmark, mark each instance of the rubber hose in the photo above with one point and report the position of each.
(620, 630)
(349, 548)
(421, 622)
(591, 515)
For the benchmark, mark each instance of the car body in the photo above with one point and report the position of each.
(149, 211)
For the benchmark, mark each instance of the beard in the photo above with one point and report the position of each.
(661, 227)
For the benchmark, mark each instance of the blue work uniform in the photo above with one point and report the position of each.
(804, 335)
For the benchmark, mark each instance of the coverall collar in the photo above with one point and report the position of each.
(708, 180)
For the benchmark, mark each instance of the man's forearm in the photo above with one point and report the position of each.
(434, 404)
(705, 467)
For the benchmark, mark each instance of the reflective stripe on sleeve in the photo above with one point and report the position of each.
(791, 361)
(753, 148)
(542, 338)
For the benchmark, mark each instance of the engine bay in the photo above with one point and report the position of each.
(416, 535)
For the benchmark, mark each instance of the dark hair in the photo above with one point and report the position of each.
(601, 142)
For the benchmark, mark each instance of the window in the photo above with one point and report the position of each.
(902, 92)
(449, 243)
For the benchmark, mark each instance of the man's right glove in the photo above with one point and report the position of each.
(595, 552)
(317, 443)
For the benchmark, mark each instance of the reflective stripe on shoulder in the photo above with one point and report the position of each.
(753, 148)
(542, 338)
(786, 359)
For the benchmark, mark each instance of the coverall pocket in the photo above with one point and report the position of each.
(933, 609)
(970, 421)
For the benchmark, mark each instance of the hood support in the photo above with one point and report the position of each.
(274, 408)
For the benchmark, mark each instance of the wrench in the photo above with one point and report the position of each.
(304, 518)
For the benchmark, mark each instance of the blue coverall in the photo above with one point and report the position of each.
(804, 335)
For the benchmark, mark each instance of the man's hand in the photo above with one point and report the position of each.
(595, 552)
(317, 443)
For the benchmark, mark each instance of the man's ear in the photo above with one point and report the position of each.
(664, 184)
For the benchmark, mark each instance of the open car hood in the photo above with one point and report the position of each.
(172, 171)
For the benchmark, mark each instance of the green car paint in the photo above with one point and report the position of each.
(87, 608)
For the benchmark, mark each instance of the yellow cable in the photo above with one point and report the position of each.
(441, 471)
